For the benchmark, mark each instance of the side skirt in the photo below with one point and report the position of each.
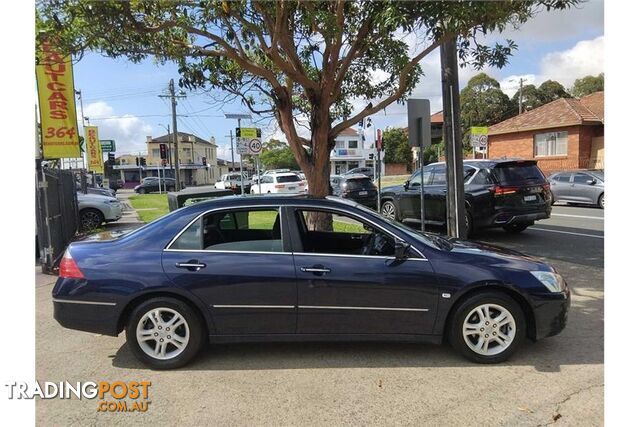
(222, 339)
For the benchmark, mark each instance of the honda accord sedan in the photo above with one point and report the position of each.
(269, 268)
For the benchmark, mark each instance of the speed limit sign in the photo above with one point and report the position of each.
(255, 147)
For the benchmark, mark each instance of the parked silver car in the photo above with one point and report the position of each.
(94, 209)
(579, 186)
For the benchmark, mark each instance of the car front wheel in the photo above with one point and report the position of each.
(141, 191)
(601, 201)
(164, 333)
(388, 210)
(90, 219)
(487, 327)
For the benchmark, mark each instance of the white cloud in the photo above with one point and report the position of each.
(128, 131)
(585, 58)
(511, 84)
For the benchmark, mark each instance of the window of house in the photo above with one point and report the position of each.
(240, 230)
(551, 144)
(325, 232)
(155, 152)
(353, 144)
(339, 144)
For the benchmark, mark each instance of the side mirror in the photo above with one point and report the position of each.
(401, 249)
(406, 185)
(592, 182)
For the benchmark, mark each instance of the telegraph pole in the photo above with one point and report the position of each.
(456, 226)
(520, 97)
(174, 103)
(79, 93)
(231, 140)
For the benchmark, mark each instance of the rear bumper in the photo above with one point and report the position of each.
(551, 312)
(89, 316)
(505, 217)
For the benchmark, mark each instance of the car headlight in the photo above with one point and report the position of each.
(553, 281)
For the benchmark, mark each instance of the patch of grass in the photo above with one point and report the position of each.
(156, 204)
(394, 180)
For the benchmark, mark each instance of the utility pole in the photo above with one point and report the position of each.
(174, 103)
(520, 97)
(231, 141)
(79, 93)
(456, 226)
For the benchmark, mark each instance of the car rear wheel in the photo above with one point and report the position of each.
(90, 219)
(164, 333)
(601, 201)
(487, 327)
(515, 228)
(388, 210)
(141, 191)
(468, 222)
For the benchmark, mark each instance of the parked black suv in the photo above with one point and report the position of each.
(511, 194)
(152, 184)
(356, 187)
(364, 171)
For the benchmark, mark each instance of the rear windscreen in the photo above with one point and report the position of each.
(287, 178)
(360, 183)
(518, 173)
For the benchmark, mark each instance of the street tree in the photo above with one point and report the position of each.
(482, 102)
(551, 90)
(277, 154)
(530, 100)
(307, 59)
(396, 146)
(587, 85)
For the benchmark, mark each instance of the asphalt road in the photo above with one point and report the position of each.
(558, 380)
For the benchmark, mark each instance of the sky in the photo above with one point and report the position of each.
(123, 100)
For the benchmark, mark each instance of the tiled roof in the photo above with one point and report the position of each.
(181, 137)
(349, 132)
(437, 118)
(559, 113)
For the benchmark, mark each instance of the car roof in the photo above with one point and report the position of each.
(270, 200)
(487, 163)
(285, 174)
(355, 176)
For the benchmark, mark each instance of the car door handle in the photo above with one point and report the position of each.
(314, 269)
(192, 265)
(444, 191)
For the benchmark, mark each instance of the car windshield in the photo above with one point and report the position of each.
(287, 178)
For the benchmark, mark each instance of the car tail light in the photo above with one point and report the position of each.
(301, 184)
(501, 191)
(279, 185)
(68, 267)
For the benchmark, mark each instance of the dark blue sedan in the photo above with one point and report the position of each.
(239, 269)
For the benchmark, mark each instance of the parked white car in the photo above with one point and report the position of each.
(232, 181)
(94, 209)
(286, 182)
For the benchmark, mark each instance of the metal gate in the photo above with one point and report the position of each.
(56, 214)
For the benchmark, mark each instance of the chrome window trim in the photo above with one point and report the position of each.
(385, 257)
(279, 208)
(333, 307)
(228, 252)
(68, 301)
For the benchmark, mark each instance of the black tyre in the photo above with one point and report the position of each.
(164, 333)
(90, 219)
(468, 220)
(487, 327)
(388, 210)
(515, 228)
(141, 191)
(601, 201)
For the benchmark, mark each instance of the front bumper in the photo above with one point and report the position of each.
(551, 312)
(113, 212)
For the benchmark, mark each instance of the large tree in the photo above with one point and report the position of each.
(482, 102)
(551, 90)
(396, 146)
(587, 85)
(292, 59)
(276, 155)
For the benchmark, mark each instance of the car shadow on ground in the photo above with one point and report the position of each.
(580, 343)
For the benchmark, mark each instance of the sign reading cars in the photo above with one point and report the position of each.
(56, 99)
(248, 141)
(479, 136)
(94, 149)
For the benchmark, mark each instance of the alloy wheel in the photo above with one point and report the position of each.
(388, 210)
(162, 333)
(489, 329)
(90, 220)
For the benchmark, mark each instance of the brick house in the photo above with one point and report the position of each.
(561, 135)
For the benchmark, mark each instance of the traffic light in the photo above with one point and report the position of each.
(370, 156)
(112, 158)
(163, 151)
(143, 161)
(137, 161)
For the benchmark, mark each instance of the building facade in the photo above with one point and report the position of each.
(351, 151)
(564, 134)
(198, 161)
